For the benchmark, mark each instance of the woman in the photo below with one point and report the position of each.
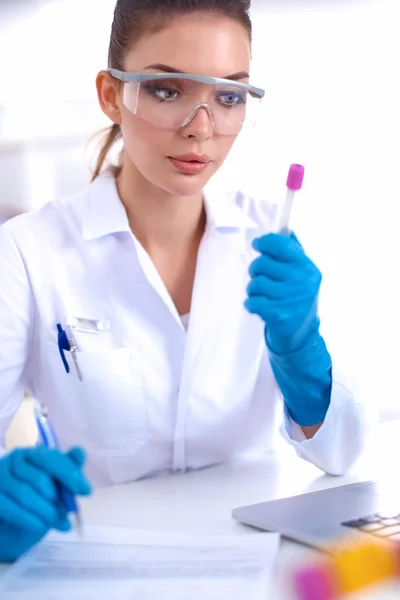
(147, 274)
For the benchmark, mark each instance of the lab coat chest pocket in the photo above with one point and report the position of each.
(107, 406)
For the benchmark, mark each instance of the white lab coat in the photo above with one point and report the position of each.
(154, 397)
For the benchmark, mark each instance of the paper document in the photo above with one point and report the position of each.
(110, 563)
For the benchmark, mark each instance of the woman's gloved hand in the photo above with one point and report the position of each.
(283, 291)
(30, 503)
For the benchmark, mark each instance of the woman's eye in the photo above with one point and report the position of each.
(232, 99)
(165, 93)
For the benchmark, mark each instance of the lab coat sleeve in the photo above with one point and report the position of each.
(16, 318)
(339, 442)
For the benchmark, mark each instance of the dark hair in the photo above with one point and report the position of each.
(133, 18)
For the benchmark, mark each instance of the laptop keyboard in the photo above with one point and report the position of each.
(381, 525)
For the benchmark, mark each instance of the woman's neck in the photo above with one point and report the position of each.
(159, 220)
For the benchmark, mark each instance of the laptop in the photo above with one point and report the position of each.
(322, 519)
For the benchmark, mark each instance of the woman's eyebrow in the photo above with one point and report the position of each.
(168, 69)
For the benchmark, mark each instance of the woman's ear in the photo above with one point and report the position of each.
(108, 96)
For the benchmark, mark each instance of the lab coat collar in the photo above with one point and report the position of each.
(225, 210)
(105, 214)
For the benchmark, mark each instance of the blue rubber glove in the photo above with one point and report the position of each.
(283, 291)
(30, 503)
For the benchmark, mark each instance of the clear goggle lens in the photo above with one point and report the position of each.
(172, 103)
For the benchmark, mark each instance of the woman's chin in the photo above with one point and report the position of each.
(186, 185)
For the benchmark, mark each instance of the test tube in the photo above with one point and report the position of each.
(294, 183)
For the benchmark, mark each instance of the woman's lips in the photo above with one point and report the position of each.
(191, 167)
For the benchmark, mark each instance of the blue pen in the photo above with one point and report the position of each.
(65, 344)
(49, 439)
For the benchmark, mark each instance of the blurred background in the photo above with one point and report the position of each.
(330, 68)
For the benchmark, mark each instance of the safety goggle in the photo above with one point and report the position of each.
(171, 100)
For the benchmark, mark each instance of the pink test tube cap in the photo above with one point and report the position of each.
(295, 177)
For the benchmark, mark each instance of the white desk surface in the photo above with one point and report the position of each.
(201, 502)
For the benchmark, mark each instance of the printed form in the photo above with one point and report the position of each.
(109, 563)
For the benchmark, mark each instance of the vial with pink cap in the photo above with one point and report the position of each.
(294, 184)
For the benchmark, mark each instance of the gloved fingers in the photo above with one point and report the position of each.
(27, 498)
(296, 239)
(272, 268)
(62, 468)
(13, 513)
(281, 247)
(62, 524)
(286, 296)
(305, 278)
(78, 455)
(25, 471)
(268, 310)
(295, 308)
(264, 286)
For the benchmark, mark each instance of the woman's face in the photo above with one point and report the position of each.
(198, 44)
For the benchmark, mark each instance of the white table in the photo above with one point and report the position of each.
(201, 502)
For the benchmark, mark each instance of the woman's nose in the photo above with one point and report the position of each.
(199, 124)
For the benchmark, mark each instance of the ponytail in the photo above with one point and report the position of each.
(113, 134)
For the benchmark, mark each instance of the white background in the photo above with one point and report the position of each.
(331, 73)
